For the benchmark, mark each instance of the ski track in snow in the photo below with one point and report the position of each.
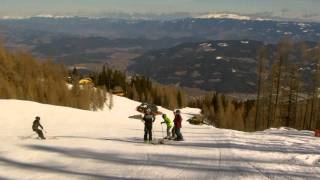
(109, 145)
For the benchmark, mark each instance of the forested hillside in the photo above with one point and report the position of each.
(26, 78)
(286, 94)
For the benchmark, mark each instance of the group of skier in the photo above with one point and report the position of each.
(173, 128)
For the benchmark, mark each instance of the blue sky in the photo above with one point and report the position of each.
(87, 7)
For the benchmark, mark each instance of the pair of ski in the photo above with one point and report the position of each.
(35, 137)
(160, 141)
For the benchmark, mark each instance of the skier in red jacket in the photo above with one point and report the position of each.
(177, 125)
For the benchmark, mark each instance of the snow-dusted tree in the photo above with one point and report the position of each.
(314, 112)
(261, 89)
(111, 103)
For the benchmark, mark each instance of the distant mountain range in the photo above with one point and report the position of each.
(210, 52)
(223, 66)
(174, 16)
(220, 28)
(138, 16)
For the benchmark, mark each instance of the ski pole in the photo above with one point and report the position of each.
(162, 131)
(154, 136)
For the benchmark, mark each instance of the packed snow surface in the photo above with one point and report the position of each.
(108, 145)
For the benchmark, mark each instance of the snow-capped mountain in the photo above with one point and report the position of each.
(53, 16)
(229, 16)
(167, 16)
(36, 16)
(14, 17)
(141, 16)
(223, 16)
(123, 16)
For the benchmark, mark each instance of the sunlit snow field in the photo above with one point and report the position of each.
(108, 145)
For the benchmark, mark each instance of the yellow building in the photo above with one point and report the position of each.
(86, 81)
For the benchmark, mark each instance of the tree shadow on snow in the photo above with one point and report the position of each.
(183, 162)
(80, 137)
(258, 147)
(52, 169)
(127, 140)
(243, 143)
(3, 178)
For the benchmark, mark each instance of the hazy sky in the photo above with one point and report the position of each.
(91, 7)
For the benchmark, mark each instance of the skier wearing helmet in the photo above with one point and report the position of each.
(148, 120)
(169, 124)
(35, 127)
(177, 125)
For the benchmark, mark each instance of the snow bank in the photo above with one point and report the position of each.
(311, 160)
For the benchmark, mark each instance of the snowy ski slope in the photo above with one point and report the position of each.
(108, 145)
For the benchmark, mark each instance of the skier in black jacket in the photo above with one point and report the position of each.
(35, 125)
(148, 120)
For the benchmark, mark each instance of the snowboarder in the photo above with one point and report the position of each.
(35, 125)
(148, 120)
(169, 124)
(177, 125)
